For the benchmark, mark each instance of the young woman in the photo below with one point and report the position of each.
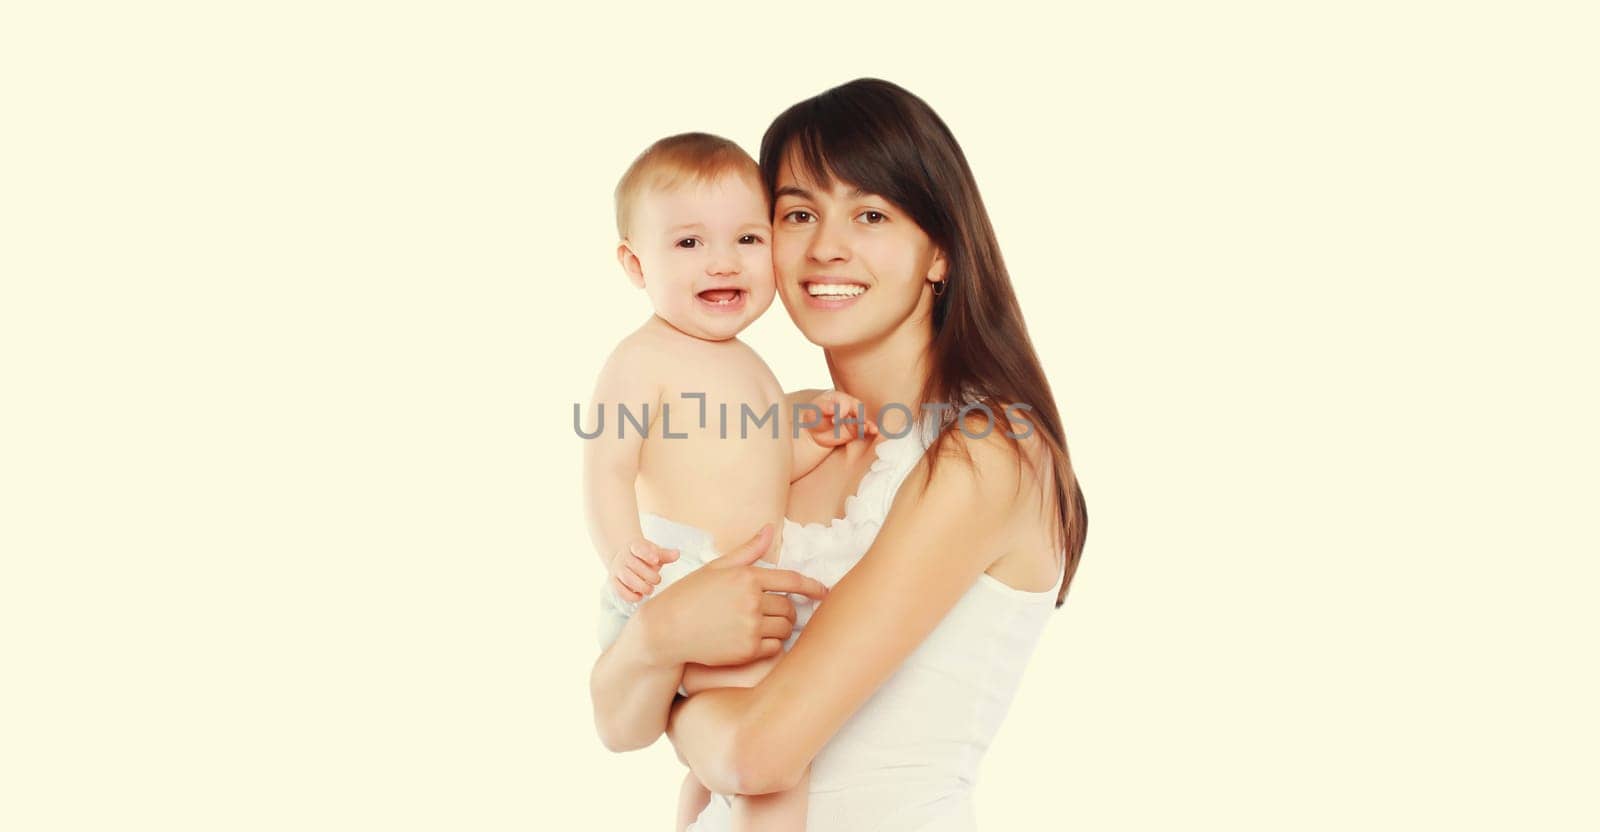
(955, 532)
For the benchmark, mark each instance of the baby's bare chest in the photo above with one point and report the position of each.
(723, 394)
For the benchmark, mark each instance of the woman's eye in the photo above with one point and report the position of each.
(798, 215)
(749, 240)
(688, 242)
(873, 217)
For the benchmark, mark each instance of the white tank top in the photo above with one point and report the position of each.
(908, 759)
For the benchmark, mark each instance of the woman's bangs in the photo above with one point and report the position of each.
(826, 144)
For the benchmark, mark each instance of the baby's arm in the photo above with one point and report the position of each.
(610, 466)
(817, 436)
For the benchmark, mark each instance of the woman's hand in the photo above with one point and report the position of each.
(726, 612)
(938, 537)
(723, 613)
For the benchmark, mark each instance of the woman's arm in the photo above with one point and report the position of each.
(934, 544)
(724, 613)
(632, 687)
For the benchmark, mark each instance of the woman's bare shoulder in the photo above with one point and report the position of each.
(993, 445)
(998, 473)
(1011, 472)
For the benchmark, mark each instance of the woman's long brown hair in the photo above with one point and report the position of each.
(877, 136)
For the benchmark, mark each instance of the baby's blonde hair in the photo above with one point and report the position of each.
(696, 157)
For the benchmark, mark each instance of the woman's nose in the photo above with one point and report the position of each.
(828, 242)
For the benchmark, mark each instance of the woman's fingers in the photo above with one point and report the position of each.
(776, 626)
(783, 580)
(777, 605)
(748, 552)
(769, 647)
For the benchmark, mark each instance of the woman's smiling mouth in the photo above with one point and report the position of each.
(832, 293)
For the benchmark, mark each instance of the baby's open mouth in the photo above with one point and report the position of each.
(721, 297)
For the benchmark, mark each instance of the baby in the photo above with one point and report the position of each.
(701, 447)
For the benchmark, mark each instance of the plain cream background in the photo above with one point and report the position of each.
(297, 299)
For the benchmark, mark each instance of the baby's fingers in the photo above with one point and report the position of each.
(646, 551)
(623, 591)
(651, 553)
(633, 583)
(854, 421)
(649, 574)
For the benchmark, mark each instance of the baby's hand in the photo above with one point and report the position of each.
(636, 570)
(849, 407)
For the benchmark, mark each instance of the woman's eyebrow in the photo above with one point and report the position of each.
(791, 190)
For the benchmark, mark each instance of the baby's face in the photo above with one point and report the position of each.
(705, 253)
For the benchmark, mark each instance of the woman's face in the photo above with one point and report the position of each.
(851, 266)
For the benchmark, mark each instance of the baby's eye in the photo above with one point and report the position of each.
(872, 217)
(799, 215)
(749, 240)
(687, 242)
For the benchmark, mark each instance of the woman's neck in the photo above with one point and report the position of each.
(889, 371)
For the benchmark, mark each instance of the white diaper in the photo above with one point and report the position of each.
(696, 548)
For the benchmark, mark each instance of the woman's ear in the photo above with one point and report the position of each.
(939, 269)
(630, 264)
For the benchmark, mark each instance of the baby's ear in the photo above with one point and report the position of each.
(630, 264)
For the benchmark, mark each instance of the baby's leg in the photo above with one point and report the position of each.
(780, 811)
(783, 811)
(693, 796)
(692, 800)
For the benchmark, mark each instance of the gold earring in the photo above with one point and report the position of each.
(938, 287)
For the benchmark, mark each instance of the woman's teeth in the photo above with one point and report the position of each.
(834, 290)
